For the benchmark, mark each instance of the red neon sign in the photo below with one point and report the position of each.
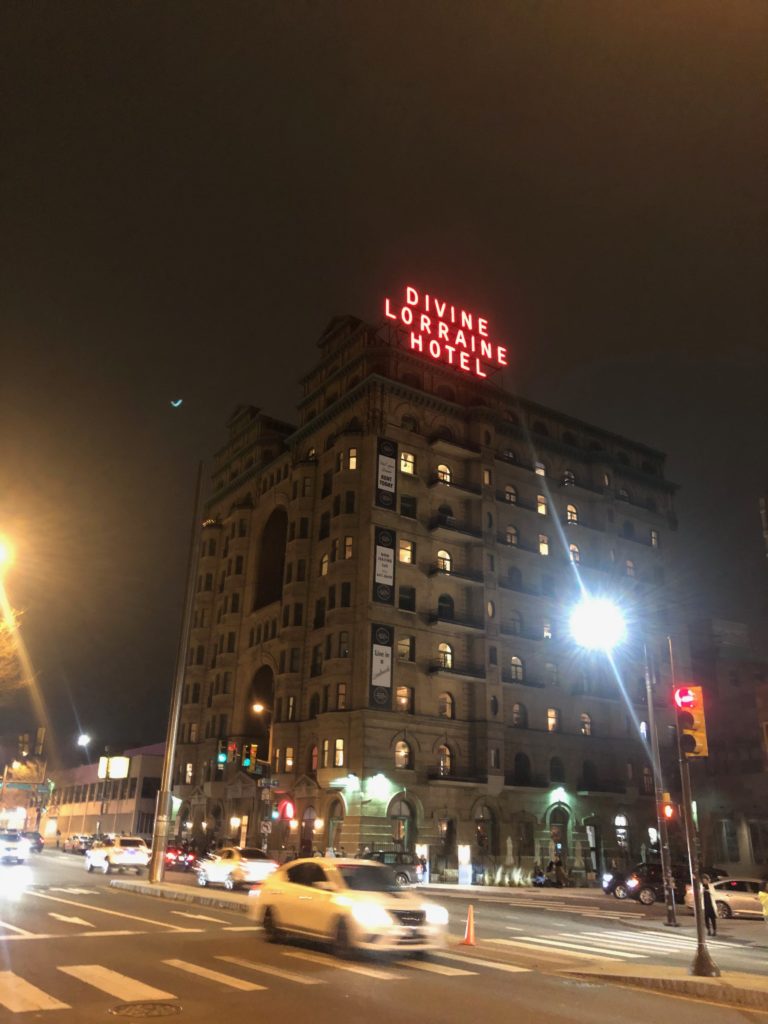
(684, 697)
(287, 810)
(446, 333)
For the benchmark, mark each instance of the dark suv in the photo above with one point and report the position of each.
(36, 841)
(407, 867)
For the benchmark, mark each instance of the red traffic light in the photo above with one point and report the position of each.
(669, 811)
(685, 698)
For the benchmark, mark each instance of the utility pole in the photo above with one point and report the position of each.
(661, 823)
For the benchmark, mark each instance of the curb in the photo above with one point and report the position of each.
(715, 990)
(237, 904)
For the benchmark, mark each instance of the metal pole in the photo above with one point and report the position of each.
(703, 965)
(666, 862)
(163, 815)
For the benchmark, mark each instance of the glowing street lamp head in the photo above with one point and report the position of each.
(598, 624)
(83, 739)
(6, 553)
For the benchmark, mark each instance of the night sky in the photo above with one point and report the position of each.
(191, 190)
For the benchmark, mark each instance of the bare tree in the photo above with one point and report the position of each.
(11, 676)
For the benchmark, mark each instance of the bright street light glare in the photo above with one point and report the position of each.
(6, 553)
(598, 624)
(83, 740)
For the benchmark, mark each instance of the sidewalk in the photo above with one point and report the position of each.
(509, 891)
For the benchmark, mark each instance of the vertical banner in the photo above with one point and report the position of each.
(386, 474)
(384, 565)
(380, 690)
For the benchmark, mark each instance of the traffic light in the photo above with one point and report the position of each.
(668, 811)
(250, 751)
(691, 725)
(221, 754)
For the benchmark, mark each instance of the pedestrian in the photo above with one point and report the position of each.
(710, 918)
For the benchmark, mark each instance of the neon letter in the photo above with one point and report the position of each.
(482, 326)
(501, 355)
(466, 320)
(425, 323)
(406, 315)
(486, 349)
(434, 349)
(460, 339)
(479, 369)
(450, 350)
(388, 310)
(411, 296)
(464, 361)
(442, 330)
(440, 308)
(416, 342)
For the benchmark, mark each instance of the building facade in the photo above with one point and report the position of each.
(382, 594)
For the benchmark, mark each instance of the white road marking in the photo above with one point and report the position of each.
(632, 941)
(222, 979)
(242, 928)
(13, 928)
(423, 965)
(71, 920)
(328, 961)
(114, 984)
(74, 891)
(570, 944)
(278, 972)
(531, 947)
(198, 917)
(114, 913)
(71, 935)
(509, 968)
(18, 996)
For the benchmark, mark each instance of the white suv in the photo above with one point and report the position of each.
(123, 853)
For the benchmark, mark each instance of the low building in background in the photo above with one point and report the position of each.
(115, 795)
(25, 787)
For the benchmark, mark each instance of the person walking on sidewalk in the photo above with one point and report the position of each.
(710, 918)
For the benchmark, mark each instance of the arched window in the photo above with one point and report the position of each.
(522, 770)
(444, 474)
(629, 567)
(445, 606)
(324, 562)
(512, 536)
(485, 832)
(402, 755)
(404, 699)
(401, 816)
(271, 560)
(568, 478)
(585, 724)
(446, 706)
(445, 655)
(444, 759)
(540, 468)
(556, 770)
(312, 759)
(510, 494)
(519, 716)
(516, 668)
(515, 624)
(571, 514)
(573, 551)
(444, 561)
(314, 705)
(541, 504)
(514, 578)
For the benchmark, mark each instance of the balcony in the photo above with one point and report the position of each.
(525, 634)
(457, 485)
(464, 622)
(470, 575)
(437, 774)
(454, 525)
(507, 677)
(457, 668)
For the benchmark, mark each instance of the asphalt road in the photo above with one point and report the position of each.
(73, 949)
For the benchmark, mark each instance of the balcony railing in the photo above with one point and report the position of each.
(507, 677)
(443, 522)
(472, 575)
(465, 621)
(437, 774)
(459, 485)
(457, 668)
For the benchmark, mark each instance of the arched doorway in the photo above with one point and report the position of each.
(559, 819)
(307, 835)
(269, 569)
(486, 833)
(335, 824)
(400, 814)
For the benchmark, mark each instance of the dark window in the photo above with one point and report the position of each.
(331, 598)
(407, 599)
(319, 613)
(408, 506)
(327, 484)
(336, 505)
(349, 502)
(298, 614)
(301, 570)
(303, 528)
(295, 659)
(346, 595)
(325, 526)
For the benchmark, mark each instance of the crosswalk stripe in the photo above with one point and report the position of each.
(633, 942)
(570, 944)
(509, 968)
(222, 979)
(278, 972)
(242, 928)
(19, 996)
(422, 965)
(327, 961)
(532, 947)
(114, 984)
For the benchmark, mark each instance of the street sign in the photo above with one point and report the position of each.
(266, 827)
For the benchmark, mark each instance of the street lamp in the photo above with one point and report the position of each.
(6, 554)
(598, 624)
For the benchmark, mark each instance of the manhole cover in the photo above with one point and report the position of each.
(145, 1010)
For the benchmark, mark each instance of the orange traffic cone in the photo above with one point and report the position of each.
(469, 934)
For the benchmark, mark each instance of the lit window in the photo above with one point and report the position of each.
(540, 468)
(629, 566)
(490, 609)
(289, 759)
(519, 716)
(352, 460)
(444, 561)
(516, 668)
(654, 538)
(585, 724)
(404, 699)
(341, 696)
(444, 759)
(644, 730)
(573, 550)
(487, 478)
(553, 720)
(445, 705)
(546, 630)
(510, 494)
(406, 648)
(407, 463)
(402, 755)
(444, 474)
(324, 561)
(571, 514)
(445, 655)
(541, 504)
(568, 478)
(326, 753)
(543, 544)
(347, 547)
(291, 709)
(338, 754)
(189, 773)
(512, 536)
(313, 759)
(406, 551)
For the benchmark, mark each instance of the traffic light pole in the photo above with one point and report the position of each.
(664, 854)
(703, 965)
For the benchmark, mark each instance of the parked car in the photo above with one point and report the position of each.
(13, 846)
(36, 841)
(615, 884)
(123, 853)
(78, 843)
(407, 867)
(180, 858)
(732, 896)
(348, 904)
(234, 866)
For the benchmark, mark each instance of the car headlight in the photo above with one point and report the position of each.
(24, 845)
(371, 915)
(632, 883)
(607, 879)
(436, 914)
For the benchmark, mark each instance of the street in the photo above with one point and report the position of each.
(75, 948)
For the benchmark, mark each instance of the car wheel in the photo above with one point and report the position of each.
(202, 879)
(341, 944)
(106, 868)
(647, 896)
(271, 931)
(402, 878)
(723, 910)
(89, 866)
(620, 891)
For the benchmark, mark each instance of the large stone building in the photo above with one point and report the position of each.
(381, 606)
